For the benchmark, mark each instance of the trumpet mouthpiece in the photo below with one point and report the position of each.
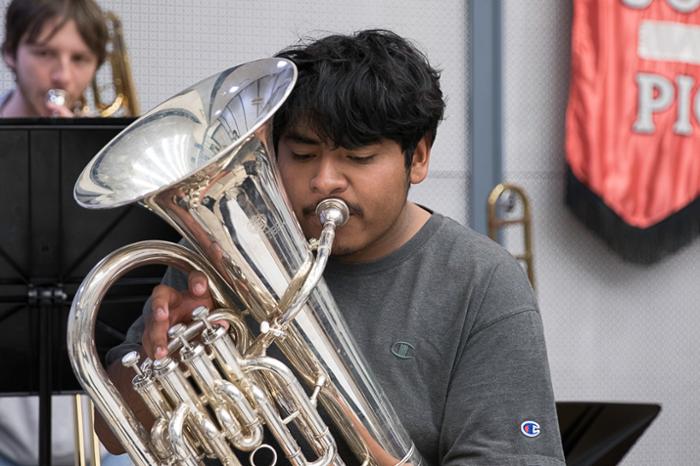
(57, 97)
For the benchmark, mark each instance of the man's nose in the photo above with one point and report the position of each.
(60, 74)
(328, 179)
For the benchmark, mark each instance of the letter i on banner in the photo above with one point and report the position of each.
(633, 124)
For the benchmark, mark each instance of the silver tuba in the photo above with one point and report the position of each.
(204, 161)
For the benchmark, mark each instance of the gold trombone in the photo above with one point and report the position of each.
(502, 212)
(125, 101)
(122, 79)
(79, 423)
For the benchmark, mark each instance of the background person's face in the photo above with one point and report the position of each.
(63, 61)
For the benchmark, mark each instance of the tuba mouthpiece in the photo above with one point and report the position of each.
(333, 210)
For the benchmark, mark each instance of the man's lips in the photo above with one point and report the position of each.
(310, 211)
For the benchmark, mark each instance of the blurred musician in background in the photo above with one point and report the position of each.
(54, 48)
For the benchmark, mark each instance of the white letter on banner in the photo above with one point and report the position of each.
(639, 4)
(684, 6)
(682, 125)
(696, 106)
(647, 104)
(667, 41)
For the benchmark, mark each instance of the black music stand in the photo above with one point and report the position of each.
(48, 244)
(601, 434)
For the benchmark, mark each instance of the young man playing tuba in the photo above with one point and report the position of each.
(441, 313)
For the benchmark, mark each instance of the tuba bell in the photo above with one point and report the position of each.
(204, 161)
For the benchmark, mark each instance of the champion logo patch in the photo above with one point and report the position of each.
(403, 350)
(530, 429)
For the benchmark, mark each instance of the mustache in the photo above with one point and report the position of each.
(353, 208)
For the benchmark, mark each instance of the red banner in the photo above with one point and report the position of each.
(633, 119)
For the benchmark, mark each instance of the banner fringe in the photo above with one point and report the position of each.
(637, 245)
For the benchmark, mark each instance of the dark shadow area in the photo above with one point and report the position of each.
(601, 434)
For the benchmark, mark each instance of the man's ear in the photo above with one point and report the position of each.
(9, 59)
(420, 161)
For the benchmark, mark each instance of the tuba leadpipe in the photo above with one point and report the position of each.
(204, 161)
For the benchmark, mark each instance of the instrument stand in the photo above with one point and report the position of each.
(47, 301)
(48, 244)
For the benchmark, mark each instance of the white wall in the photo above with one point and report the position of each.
(615, 331)
(175, 43)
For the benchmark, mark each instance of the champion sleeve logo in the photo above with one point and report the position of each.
(530, 429)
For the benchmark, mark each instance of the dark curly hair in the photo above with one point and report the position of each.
(357, 89)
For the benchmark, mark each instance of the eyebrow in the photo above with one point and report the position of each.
(301, 138)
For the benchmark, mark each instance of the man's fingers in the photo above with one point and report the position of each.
(169, 307)
(155, 336)
(198, 286)
(163, 300)
(222, 323)
(165, 296)
(59, 110)
(197, 283)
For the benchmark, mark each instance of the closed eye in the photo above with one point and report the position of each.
(301, 157)
(361, 158)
